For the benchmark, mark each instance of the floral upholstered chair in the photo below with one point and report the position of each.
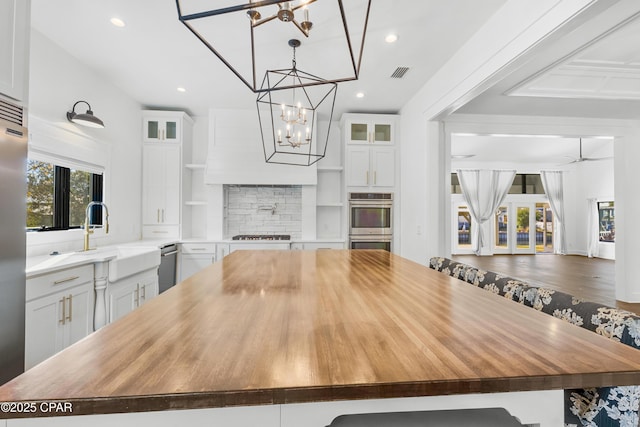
(602, 406)
(439, 263)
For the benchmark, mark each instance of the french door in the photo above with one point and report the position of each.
(519, 227)
(523, 228)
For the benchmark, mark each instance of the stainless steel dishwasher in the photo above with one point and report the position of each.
(167, 269)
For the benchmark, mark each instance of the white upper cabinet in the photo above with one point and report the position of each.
(161, 184)
(371, 145)
(370, 167)
(362, 131)
(15, 24)
(162, 129)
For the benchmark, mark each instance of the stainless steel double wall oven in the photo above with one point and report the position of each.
(371, 221)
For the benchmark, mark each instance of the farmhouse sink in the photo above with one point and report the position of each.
(130, 260)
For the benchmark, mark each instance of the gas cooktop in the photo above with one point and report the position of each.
(262, 237)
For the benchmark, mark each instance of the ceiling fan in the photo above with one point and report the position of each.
(581, 158)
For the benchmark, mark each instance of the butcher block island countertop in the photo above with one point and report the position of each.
(275, 327)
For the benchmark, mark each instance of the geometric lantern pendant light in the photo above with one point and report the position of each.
(289, 104)
(249, 36)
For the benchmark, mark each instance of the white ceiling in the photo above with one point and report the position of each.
(606, 69)
(510, 149)
(154, 53)
(591, 71)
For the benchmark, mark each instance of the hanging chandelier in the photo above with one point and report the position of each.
(289, 104)
(247, 35)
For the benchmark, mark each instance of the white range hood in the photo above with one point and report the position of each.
(236, 154)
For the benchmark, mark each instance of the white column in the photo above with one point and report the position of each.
(627, 209)
(101, 272)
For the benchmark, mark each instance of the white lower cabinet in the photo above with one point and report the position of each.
(258, 246)
(314, 246)
(58, 312)
(222, 250)
(194, 257)
(127, 294)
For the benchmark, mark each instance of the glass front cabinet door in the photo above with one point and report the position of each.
(370, 132)
(161, 130)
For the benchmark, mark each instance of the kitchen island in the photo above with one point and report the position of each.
(292, 327)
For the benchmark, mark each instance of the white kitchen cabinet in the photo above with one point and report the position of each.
(126, 295)
(317, 245)
(161, 184)
(164, 186)
(369, 129)
(162, 129)
(249, 245)
(194, 257)
(222, 250)
(371, 167)
(58, 312)
(15, 25)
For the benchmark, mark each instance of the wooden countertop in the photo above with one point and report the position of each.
(273, 327)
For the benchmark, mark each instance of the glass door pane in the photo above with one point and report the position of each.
(382, 133)
(544, 228)
(359, 132)
(153, 130)
(172, 130)
(502, 228)
(464, 228)
(523, 239)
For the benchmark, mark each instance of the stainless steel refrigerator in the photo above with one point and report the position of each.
(13, 193)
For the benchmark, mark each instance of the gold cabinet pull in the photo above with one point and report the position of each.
(68, 279)
(70, 316)
(64, 310)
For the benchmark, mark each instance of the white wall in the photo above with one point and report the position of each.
(594, 180)
(496, 49)
(57, 81)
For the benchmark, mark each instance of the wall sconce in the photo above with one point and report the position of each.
(85, 119)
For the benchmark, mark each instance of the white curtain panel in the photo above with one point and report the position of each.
(484, 191)
(553, 187)
(593, 228)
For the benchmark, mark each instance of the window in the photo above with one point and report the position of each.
(57, 196)
(527, 183)
(607, 220)
(523, 183)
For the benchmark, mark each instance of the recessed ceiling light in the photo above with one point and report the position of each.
(117, 22)
(181, 89)
(391, 38)
(360, 95)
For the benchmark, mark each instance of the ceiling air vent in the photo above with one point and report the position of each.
(399, 72)
(11, 112)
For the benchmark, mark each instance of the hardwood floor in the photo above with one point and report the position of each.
(591, 279)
